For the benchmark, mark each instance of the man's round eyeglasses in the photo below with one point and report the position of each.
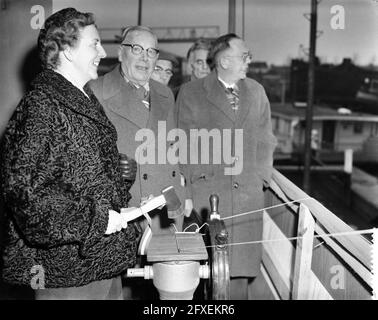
(245, 57)
(168, 72)
(138, 49)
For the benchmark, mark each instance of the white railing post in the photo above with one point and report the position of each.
(348, 169)
(348, 160)
(303, 255)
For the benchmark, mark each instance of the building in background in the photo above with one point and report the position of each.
(337, 131)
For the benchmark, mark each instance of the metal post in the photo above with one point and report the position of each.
(231, 16)
(243, 19)
(3, 5)
(310, 96)
(140, 13)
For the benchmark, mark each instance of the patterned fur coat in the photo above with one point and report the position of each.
(59, 177)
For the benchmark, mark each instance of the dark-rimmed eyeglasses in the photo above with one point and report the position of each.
(245, 57)
(138, 49)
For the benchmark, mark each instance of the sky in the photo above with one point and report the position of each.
(275, 30)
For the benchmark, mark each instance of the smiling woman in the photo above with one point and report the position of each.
(77, 55)
(61, 190)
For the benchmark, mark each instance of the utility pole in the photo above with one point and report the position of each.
(140, 13)
(310, 96)
(243, 19)
(231, 16)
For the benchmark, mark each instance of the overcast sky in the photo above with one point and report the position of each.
(275, 30)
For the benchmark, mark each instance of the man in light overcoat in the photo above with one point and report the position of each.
(235, 108)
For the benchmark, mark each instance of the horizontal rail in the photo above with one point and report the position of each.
(356, 245)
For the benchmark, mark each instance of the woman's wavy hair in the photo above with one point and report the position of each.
(60, 30)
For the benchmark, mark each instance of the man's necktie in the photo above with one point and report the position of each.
(233, 97)
(143, 95)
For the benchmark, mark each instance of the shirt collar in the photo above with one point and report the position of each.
(227, 85)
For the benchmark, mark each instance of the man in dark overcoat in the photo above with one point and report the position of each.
(141, 109)
(235, 112)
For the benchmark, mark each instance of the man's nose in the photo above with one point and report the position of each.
(143, 55)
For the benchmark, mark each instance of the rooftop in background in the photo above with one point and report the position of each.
(320, 112)
(166, 34)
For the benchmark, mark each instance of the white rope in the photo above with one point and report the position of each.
(354, 232)
(193, 224)
(258, 210)
(374, 271)
(373, 231)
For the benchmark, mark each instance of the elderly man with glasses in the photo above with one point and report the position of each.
(227, 101)
(138, 107)
(135, 104)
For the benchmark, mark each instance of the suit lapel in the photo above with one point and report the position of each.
(217, 96)
(121, 99)
(246, 99)
(159, 105)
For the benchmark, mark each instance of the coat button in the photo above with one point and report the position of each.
(236, 185)
(145, 176)
(173, 173)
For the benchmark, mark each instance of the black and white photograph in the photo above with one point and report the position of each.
(175, 153)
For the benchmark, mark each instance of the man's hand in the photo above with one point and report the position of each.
(128, 167)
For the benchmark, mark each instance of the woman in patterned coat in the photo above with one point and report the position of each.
(60, 175)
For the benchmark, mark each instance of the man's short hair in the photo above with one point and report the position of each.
(132, 29)
(218, 46)
(200, 44)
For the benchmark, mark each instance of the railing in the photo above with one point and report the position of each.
(307, 263)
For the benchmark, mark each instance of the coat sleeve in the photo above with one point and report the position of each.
(183, 143)
(40, 186)
(266, 141)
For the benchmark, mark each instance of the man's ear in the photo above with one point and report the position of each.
(189, 67)
(120, 53)
(224, 62)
